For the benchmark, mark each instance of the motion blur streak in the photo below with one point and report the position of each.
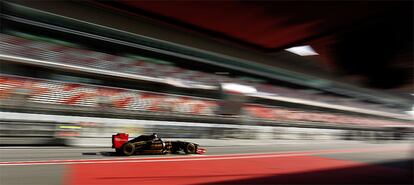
(270, 170)
(202, 158)
(82, 81)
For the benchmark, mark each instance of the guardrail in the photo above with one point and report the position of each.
(34, 132)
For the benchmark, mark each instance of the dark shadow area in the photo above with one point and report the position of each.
(365, 174)
(89, 153)
(105, 153)
(401, 164)
(109, 154)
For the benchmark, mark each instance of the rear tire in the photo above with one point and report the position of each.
(128, 149)
(190, 148)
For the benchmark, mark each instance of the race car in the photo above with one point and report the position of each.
(152, 144)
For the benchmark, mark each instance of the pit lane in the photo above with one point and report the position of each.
(389, 155)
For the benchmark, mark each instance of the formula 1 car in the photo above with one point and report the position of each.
(151, 144)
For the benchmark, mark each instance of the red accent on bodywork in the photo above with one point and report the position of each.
(201, 151)
(119, 139)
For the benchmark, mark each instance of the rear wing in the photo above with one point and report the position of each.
(119, 139)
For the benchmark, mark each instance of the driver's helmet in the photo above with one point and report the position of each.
(154, 135)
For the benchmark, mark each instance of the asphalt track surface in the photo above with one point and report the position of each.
(345, 162)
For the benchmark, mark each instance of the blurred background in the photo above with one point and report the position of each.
(217, 73)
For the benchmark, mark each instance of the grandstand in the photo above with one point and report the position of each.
(82, 95)
(47, 54)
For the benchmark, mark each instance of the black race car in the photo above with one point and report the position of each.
(152, 144)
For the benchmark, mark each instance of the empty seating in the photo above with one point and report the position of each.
(49, 92)
(81, 95)
(141, 66)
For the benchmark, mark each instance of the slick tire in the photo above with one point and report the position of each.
(190, 148)
(128, 149)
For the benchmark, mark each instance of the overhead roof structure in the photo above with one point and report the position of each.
(369, 39)
(270, 25)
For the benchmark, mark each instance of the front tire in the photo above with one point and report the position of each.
(128, 149)
(190, 148)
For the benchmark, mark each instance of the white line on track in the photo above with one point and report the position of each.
(197, 157)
